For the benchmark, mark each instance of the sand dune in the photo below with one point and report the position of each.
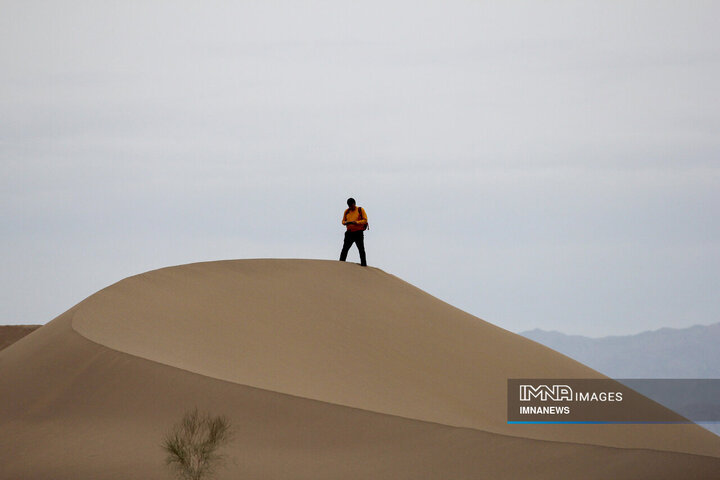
(326, 370)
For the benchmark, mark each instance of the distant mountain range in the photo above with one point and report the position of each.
(688, 353)
(692, 352)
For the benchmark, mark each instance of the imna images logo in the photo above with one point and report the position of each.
(544, 393)
(606, 400)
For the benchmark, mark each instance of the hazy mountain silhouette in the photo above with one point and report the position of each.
(665, 353)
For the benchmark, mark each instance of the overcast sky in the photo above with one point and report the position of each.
(537, 164)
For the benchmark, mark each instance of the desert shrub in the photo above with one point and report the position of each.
(192, 445)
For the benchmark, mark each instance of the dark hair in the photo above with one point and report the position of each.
(350, 201)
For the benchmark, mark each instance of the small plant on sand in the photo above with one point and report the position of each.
(192, 445)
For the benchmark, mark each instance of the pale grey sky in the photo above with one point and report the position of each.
(537, 164)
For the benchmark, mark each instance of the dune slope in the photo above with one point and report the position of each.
(326, 370)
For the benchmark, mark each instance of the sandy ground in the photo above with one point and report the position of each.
(327, 370)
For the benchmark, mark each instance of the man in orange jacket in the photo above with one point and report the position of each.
(355, 221)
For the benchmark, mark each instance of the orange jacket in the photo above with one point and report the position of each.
(358, 215)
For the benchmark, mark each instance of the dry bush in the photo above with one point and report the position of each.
(192, 445)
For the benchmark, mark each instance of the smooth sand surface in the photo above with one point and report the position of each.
(327, 370)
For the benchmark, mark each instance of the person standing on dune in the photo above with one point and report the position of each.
(355, 221)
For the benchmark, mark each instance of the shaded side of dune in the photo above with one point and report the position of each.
(73, 409)
(10, 334)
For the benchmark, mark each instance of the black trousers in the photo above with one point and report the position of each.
(357, 238)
